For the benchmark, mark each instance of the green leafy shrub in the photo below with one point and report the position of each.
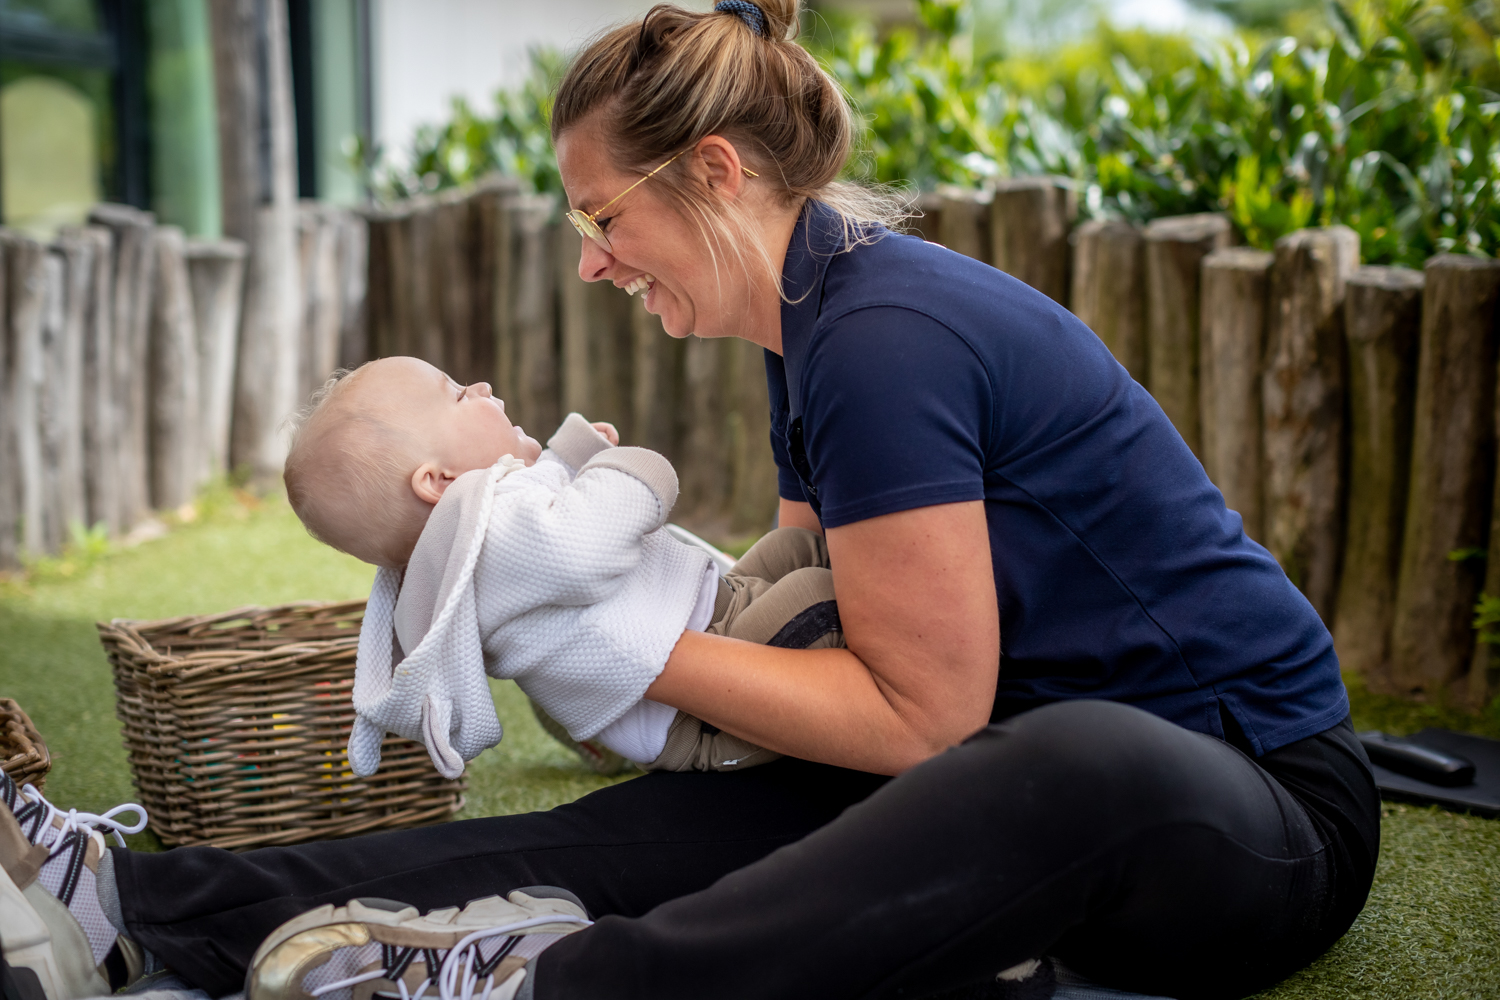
(1384, 121)
(513, 140)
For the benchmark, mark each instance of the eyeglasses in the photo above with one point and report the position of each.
(586, 222)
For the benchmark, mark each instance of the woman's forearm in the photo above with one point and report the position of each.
(916, 596)
(818, 704)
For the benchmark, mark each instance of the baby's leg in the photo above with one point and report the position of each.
(799, 612)
(780, 551)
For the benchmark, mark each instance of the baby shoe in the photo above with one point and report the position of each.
(54, 935)
(371, 948)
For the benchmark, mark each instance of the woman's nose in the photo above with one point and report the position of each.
(594, 261)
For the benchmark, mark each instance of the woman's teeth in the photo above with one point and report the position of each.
(640, 284)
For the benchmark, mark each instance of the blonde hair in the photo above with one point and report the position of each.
(347, 472)
(679, 76)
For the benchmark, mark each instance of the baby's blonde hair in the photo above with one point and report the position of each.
(347, 474)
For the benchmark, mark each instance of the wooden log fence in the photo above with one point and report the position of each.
(120, 354)
(1349, 414)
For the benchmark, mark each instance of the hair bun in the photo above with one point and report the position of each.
(781, 17)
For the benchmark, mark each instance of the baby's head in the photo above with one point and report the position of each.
(377, 447)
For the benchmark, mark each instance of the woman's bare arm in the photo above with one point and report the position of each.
(916, 593)
(798, 514)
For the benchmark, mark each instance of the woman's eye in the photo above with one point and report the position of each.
(604, 223)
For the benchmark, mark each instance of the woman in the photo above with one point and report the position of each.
(1155, 781)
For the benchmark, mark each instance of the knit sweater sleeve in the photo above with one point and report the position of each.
(577, 543)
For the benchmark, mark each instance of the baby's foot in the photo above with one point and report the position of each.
(54, 933)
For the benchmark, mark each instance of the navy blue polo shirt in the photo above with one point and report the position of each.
(912, 375)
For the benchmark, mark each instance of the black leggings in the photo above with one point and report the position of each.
(1145, 856)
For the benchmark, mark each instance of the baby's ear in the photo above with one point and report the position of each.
(429, 483)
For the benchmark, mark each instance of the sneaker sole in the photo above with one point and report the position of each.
(31, 920)
(292, 950)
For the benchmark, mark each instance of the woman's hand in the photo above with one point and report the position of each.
(916, 593)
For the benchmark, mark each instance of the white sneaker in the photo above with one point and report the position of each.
(53, 933)
(376, 948)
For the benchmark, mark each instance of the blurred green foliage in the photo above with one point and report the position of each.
(1377, 114)
(1381, 116)
(513, 139)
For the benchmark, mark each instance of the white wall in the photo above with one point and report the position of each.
(426, 51)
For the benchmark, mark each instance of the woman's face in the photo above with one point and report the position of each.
(652, 243)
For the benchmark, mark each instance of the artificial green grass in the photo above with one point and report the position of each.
(1431, 929)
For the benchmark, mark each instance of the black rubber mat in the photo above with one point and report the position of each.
(1481, 798)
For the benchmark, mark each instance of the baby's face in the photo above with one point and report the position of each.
(464, 427)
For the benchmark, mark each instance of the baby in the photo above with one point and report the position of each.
(549, 567)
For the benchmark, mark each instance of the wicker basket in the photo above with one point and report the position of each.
(237, 725)
(23, 755)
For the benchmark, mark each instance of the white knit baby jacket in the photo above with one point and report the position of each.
(561, 580)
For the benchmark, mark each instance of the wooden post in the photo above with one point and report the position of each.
(99, 416)
(927, 217)
(1029, 225)
(1382, 322)
(594, 327)
(353, 290)
(963, 222)
(1109, 290)
(752, 466)
(1175, 249)
(50, 397)
(1233, 340)
(380, 307)
(26, 282)
(1484, 665)
(1452, 470)
(491, 270)
(451, 279)
(176, 411)
(533, 320)
(704, 469)
(133, 279)
(257, 158)
(322, 299)
(10, 459)
(657, 392)
(1302, 395)
(420, 322)
(63, 430)
(217, 271)
(498, 229)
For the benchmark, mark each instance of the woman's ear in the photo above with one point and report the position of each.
(720, 164)
(429, 482)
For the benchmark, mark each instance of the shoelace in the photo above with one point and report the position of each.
(460, 971)
(72, 839)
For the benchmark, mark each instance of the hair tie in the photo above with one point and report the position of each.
(753, 16)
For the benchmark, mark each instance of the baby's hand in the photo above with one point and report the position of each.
(608, 430)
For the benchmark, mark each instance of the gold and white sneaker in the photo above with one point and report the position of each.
(54, 935)
(377, 949)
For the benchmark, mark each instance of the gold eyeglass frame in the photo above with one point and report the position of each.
(585, 222)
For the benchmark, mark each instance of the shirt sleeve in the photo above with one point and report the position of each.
(788, 486)
(899, 413)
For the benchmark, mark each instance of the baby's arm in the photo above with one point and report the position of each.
(577, 441)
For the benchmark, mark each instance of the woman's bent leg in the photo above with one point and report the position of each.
(623, 850)
(1147, 856)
